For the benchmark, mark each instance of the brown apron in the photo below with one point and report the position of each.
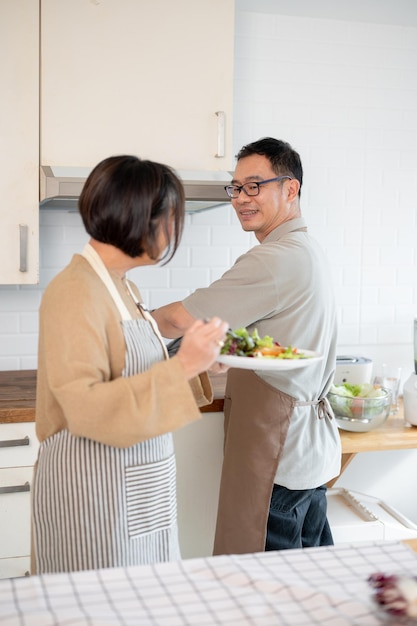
(255, 429)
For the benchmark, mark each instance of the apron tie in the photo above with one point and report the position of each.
(323, 407)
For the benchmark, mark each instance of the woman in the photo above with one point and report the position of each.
(108, 397)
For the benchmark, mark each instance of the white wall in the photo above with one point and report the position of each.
(344, 94)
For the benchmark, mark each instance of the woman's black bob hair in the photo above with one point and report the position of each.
(127, 201)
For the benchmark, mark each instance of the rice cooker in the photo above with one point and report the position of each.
(355, 370)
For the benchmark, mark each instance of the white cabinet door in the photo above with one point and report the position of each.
(18, 444)
(15, 568)
(138, 77)
(199, 454)
(15, 485)
(18, 450)
(19, 132)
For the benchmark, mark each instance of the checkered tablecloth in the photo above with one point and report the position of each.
(326, 586)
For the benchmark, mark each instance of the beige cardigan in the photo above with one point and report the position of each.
(80, 361)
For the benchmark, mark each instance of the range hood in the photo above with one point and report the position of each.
(60, 188)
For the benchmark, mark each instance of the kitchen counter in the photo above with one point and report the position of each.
(18, 395)
(394, 434)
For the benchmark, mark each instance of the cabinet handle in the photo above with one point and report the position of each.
(23, 232)
(15, 488)
(220, 134)
(10, 443)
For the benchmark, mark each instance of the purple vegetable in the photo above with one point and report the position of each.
(397, 595)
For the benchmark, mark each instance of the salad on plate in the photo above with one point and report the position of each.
(241, 342)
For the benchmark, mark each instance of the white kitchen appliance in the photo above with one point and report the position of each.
(355, 370)
(410, 388)
(358, 517)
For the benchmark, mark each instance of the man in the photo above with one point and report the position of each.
(281, 441)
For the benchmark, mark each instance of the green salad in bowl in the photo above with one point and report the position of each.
(360, 408)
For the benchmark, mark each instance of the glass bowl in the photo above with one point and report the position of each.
(360, 414)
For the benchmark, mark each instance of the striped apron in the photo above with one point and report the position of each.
(97, 506)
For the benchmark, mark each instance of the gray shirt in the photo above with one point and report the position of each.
(283, 288)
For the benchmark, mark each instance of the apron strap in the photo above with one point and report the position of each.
(98, 266)
(148, 318)
(323, 407)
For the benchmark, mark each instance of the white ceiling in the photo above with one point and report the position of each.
(396, 12)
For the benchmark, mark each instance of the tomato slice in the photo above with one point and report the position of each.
(274, 351)
(356, 407)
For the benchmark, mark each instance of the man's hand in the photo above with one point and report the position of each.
(173, 320)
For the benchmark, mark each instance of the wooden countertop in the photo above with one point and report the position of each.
(18, 395)
(394, 434)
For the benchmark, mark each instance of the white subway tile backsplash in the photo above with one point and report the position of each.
(396, 256)
(348, 335)
(76, 235)
(368, 335)
(352, 276)
(196, 235)
(395, 335)
(210, 256)
(350, 315)
(181, 257)
(26, 363)
(58, 256)
(29, 322)
(159, 297)
(369, 296)
(150, 277)
(236, 252)
(378, 314)
(9, 323)
(218, 215)
(12, 363)
(396, 295)
(190, 277)
(19, 344)
(19, 300)
(349, 295)
(230, 236)
(51, 234)
(377, 276)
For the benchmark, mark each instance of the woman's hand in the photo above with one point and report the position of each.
(201, 345)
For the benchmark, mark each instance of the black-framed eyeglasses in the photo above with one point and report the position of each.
(250, 189)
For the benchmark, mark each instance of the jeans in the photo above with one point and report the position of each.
(298, 519)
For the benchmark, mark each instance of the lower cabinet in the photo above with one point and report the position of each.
(199, 454)
(18, 450)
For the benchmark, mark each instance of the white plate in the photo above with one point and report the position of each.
(260, 363)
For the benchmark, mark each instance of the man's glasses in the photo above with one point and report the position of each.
(250, 189)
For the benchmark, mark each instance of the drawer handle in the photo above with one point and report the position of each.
(23, 236)
(14, 442)
(15, 488)
(220, 134)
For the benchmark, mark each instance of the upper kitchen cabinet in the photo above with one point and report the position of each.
(154, 79)
(19, 132)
